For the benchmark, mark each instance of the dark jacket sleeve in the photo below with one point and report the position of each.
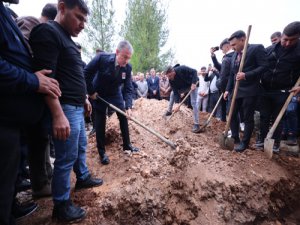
(14, 79)
(225, 73)
(261, 61)
(128, 88)
(216, 63)
(90, 71)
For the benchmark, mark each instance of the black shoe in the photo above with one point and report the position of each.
(65, 211)
(104, 159)
(22, 185)
(241, 147)
(20, 211)
(196, 128)
(236, 140)
(168, 113)
(89, 182)
(131, 148)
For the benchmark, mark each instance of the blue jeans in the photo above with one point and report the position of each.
(290, 120)
(70, 154)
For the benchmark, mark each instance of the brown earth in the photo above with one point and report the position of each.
(198, 183)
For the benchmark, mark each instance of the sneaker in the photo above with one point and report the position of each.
(43, 192)
(291, 140)
(276, 147)
(89, 182)
(196, 128)
(259, 144)
(65, 211)
(20, 211)
(241, 147)
(131, 148)
(168, 113)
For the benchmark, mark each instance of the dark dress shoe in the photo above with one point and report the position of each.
(23, 185)
(241, 147)
(131, 148)
(89, 182)
(65, 211)
(19, 211)
(104, 159)
(196, 128)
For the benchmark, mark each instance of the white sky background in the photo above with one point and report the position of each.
(197, 25)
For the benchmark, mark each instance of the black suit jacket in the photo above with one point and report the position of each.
(255, 65)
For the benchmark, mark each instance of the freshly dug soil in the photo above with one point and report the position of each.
(198, 183)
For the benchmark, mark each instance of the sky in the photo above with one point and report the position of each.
(197, 25)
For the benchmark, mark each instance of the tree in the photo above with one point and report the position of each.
(100, 29)
(145, 28)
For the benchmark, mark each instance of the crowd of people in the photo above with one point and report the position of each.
(46, 91)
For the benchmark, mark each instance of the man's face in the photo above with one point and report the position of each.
(123, 56)
(275, 40)
(171, 75)
(152, 72)
(73, 20)
(289, 41)
(237, 44)
(225, 48)
(142, 77)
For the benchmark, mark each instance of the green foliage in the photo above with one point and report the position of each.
(100, 30)
(146, 29)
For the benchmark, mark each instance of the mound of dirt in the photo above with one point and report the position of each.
(197, 183)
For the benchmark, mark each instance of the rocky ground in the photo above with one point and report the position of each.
(197, 183)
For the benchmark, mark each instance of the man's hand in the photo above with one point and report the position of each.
(296, 90)
(48, 85)
(87, 108)
(225, 96)
(94, 96)
(240, 76)
(61, 127)
(193, 87)
(176, 108)
(154, 92)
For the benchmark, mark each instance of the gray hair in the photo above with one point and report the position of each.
(125, 45)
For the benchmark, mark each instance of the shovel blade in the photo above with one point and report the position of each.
(226, 142)
(268, 147)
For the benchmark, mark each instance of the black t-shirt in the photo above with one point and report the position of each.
(54, 49)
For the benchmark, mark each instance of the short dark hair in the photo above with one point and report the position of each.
(169, 69)
(70, 4)
(224, 42)
(203, 68)
(49, 11)
(292, 29)
(238, 34)
(276, 34)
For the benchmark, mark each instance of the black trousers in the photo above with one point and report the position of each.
(100, 131)
(38, 155)
(223, 109)
(247, 106)
(212, 101)
(9, 166)
(270, 106)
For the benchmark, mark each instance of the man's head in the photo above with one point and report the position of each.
(290, 35)
(170, 73)
(202, 70)
(123, 53)
(237, 40)
(49, 11)
(225, 46)
(72, 14)
(275, 37)
(152, 72)
(142, 77)
(11, 1)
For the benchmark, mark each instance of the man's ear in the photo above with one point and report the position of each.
(61, 7)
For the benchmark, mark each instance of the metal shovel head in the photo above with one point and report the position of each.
(268, 147)
(226, 142)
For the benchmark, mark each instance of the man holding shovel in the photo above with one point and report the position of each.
(183, 78)
(249, 85)
(104, 76)
(282, 74)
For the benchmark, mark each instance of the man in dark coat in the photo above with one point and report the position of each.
(104, 76)
(249, 85)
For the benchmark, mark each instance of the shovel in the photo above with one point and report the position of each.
(224, 141)
(139, 123)
(269, 142)
(211, 115)
(183, 100)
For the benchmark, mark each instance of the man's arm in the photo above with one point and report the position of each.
(90, 71)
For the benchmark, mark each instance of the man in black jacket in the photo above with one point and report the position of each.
(224, 69)
(282, 73)
(249, 85)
